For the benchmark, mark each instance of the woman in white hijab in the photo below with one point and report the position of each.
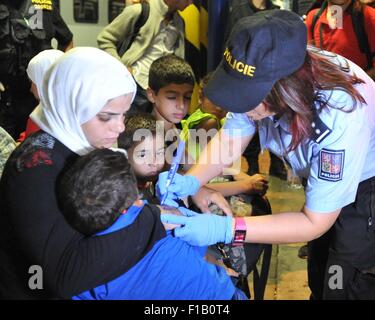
(38, 66)
(36, 70)
(85, 96)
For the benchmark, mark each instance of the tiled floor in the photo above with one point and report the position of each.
(287, 278)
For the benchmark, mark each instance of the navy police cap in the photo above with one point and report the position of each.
(261, 49)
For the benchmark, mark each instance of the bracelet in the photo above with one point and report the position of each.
(239, 232)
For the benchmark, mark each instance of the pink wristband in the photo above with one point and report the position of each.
(239, 232)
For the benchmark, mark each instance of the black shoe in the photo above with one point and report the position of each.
(302, 252)
(277, 168)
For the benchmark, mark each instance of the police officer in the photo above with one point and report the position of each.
(317, 111)
(26, 28)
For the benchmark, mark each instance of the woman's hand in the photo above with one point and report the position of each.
(201, 229)
(205, 196)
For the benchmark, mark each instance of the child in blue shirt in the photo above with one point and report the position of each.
(98, 195)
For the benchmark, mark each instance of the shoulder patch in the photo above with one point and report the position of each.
(331, 164)
(320, 130)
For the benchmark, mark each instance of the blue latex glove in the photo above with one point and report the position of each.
(186, 212)
(201, 229)
(181, 187)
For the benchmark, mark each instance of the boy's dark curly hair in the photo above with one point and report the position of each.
(95, 190)
(169, 69)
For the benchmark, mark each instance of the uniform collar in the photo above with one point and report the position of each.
(320, 130)
(283, 122)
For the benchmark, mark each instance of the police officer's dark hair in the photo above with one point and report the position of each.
(95, 190)
(134, 122)
(167, 70)
(295, 94)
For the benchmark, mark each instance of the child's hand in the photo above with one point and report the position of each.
(254, 184)
(240, 176)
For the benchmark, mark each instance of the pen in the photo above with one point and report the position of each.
(172, 170)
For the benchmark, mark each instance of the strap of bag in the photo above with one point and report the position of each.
(317, 16)
(358, 20)
(260, 279)
(145, 12)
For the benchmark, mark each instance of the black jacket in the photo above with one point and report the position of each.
(24, 32)
(33, 230)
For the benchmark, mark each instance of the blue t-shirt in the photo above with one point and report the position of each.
(342, 153)
(172, 270)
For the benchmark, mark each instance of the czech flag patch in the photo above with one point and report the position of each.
(331, 164)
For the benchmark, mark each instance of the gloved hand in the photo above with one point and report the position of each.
(202, 229)
(181, 186)
(186, 212)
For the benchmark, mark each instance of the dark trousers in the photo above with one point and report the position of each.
(340, 263)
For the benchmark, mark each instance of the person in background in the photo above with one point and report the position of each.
(370, 3)
(336, 33)
(36, 70)
(243, 8)
(170, 87)
(302, 7)
(78, 113)
(26, 29)
(162, 33)
(206, 116)
(312, 108)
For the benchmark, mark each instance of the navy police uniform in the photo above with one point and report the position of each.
(24, 32)
(338, 163)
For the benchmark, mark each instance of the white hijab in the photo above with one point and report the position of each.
(75, 89)
(39, 65)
